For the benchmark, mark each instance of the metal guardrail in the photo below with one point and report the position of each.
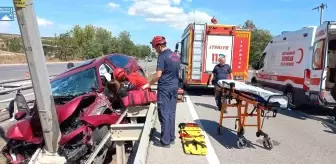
(6, 91)
(120, 133)
(138, 133)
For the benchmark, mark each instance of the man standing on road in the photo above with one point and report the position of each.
(221, 71)
(167, 75)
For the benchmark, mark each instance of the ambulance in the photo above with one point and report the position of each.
(203, 44)
(301, 64)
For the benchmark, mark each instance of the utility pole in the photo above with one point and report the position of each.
(321, 8)
(38, 72)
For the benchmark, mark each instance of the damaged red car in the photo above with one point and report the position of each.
(83, 111)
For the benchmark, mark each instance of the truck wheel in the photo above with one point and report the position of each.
(290, 94)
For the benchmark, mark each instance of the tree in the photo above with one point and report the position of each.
(259, 40)
(125, 45)
(105, 39)
(85, 43)
(15, 45)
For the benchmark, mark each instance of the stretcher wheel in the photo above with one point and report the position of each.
(262, 113)
(241, 142)
(268, 144)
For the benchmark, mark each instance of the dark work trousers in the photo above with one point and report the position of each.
(167, 98)
(218, 99)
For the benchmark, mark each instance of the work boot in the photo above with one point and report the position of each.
(160, 144)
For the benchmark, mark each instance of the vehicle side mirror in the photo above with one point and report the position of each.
(176, 47)
(70, 65)
(20, 115)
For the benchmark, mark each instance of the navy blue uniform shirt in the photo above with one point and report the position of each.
(221, 72)
(169, 63)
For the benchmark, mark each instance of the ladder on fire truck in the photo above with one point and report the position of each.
(197, 51)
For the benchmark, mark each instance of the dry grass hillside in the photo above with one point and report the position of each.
(17, 58)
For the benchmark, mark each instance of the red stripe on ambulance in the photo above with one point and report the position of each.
(296, 80)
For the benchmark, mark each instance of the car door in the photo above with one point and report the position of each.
(318, 58)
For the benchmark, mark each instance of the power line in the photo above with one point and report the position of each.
(321, 8)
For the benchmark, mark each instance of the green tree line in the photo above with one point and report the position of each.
(90, 42)
(85, 43)
(259, 40)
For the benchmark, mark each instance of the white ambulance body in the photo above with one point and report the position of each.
(301, 63)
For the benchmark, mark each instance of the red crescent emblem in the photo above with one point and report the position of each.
(301, 50)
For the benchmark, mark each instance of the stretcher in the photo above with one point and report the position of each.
(263, 101)
(192, 139)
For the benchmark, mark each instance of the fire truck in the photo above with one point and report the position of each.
(203, 44)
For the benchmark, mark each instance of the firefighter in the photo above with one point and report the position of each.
(135, 79)
(221, 71)
(167, 75)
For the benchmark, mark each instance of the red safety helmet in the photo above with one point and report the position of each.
(119, 73)
(158, 40)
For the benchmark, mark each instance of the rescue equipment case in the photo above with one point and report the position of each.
(139, 97)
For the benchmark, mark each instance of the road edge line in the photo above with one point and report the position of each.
(211, 155)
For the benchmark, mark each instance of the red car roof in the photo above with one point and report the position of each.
(132, 65)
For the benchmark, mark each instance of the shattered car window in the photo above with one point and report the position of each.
(75, 84)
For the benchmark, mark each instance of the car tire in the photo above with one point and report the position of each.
(290, 94)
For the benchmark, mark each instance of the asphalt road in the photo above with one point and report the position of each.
(297, 139)
(19, 71)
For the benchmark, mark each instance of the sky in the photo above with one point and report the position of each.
(147, 18)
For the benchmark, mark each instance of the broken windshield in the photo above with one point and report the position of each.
(75, 84)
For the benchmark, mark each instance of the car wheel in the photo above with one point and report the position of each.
(290, 94)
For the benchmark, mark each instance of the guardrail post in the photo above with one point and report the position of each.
(121, 155)
(133, 121)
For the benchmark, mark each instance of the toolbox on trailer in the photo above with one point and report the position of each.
(192, 139)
